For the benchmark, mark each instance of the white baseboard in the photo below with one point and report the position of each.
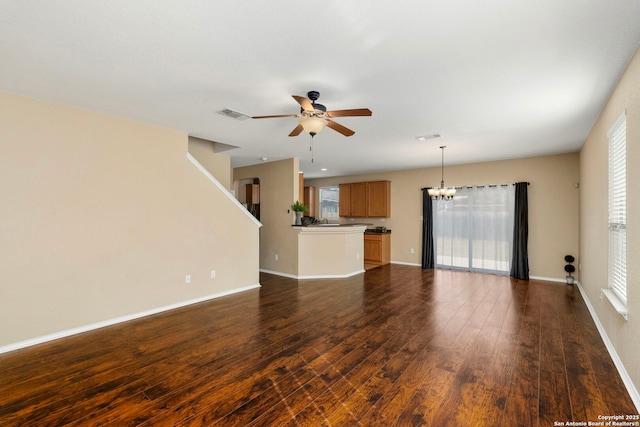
(406, 263)
(326, 276)
(626, 379)
(338, 276)
(278, 273)
(549, 279)
(98, 325)
(321, 276)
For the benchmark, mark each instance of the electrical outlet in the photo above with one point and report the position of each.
(276, 256)
(358, 255)
(601, 294)
(413, 251)
(187, 279)
(213, 274)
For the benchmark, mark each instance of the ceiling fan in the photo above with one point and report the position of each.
(314, 117)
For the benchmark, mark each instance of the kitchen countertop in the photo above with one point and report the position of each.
(354, 224)
(334, 225)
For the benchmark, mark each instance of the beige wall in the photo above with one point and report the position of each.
(102, 218)
(219, 165)
(278, 191)
(594, 215)
(553, 205)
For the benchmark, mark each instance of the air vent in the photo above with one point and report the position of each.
(233, 114)
(426, 137)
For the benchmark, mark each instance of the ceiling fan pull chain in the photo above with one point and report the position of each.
(311, 148)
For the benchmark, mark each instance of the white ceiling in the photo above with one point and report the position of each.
(497, 79)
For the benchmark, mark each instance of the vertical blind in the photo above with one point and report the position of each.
(617, 136)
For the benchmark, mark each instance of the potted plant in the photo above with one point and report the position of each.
(570, 269)
(298, 208)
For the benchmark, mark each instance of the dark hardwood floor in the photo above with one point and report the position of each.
(393, 346)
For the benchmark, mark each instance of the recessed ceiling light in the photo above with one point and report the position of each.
(264, 159)
(323, 169)
(425, 137)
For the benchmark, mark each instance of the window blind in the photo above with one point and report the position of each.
(617, 136)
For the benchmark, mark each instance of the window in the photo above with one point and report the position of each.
(329, 203)
(474, 231)
(617, 136)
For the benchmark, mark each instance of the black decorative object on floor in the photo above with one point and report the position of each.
(570, 269)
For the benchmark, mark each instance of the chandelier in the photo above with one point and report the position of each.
(442, 193)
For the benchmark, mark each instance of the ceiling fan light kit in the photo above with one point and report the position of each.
(314, 117)
(312, 125)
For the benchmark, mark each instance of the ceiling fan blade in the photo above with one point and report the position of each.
(304, 102)
(296, 131)
(350, 113)
(276, 116)
(339, 128)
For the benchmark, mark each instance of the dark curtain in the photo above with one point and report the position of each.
(427, 231)
(520, 258)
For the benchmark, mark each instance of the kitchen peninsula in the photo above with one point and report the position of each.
(330, 250)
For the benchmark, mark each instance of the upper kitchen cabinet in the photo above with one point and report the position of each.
(366, 199)
(359, 197)
(379, 199)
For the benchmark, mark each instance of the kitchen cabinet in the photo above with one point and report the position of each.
(359, 199)
(379, 199)
(309, 198)
(377, 248)
(366, 199)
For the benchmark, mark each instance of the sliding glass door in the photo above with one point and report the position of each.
(474, 231)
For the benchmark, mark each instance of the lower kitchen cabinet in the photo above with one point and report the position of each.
(377, 248)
